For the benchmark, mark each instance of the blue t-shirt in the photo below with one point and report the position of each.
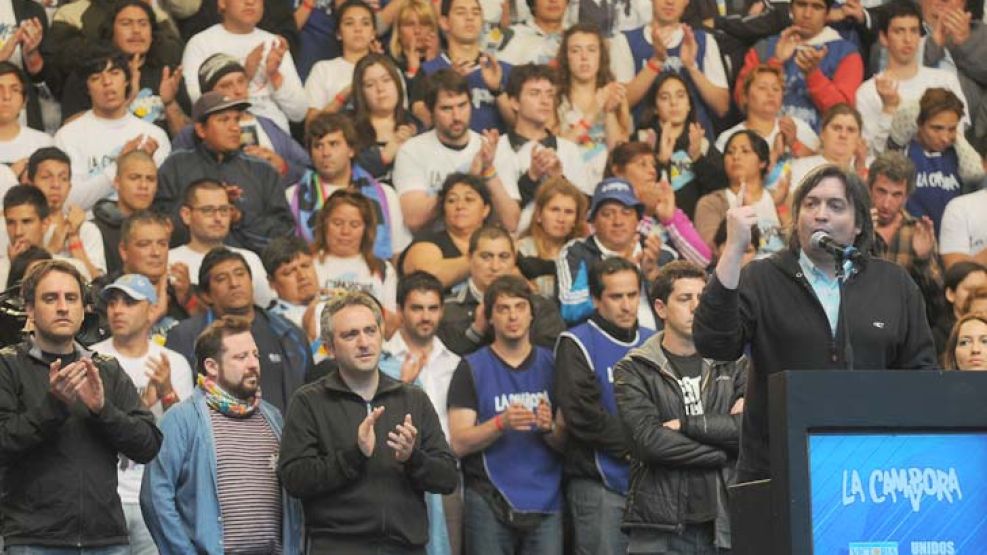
(937, 181)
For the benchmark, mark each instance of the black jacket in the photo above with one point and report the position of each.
(351, 500)
(667, 461)
(264, 212)
(60, 463)
(777, 313)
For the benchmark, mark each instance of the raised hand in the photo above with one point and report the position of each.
(924, 238)
(787, 41)
(740, 219)
(664, 201)
(90, 390)
(689, 49)
(696, 136)
(491, 71)
(666, 144)
(412, 367)
(159, 375)
(658, 36)
(62, 381)
(808, 59)
(272, 65)
(366, 439)
(402, 439)
(252, 62)
(170, 81)
(887, 90)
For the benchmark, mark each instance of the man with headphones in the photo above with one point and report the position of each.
(108, 130)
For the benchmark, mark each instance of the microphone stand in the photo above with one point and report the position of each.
(841, 277)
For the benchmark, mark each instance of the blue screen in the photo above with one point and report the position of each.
(898, 494)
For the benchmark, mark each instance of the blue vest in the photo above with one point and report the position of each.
(797, 103)
(520, 465)
(937, 181)
(484, 114)
(602, 352)
(642, 51)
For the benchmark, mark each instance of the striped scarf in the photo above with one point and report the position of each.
(222, 402)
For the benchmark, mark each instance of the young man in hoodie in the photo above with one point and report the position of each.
(683, 415)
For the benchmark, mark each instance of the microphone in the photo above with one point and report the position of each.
(822, 240)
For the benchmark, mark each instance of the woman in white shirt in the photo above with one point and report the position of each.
(344, 251)
(328, 86)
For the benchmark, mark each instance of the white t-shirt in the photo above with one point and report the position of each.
(964, 224)
(768, 223)
(281, 105)
(93, 144)
(423, 162)
(877, 124)
(803, 133)
(326, 80)
(530, 45)
(262, 289)
(400, 236)
(352, 273)
(512, 164)
(129, 473)
(23, 145)
(622, 60)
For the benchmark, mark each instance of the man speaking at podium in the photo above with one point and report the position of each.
(791, 310)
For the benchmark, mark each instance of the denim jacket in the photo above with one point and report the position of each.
(179, 497)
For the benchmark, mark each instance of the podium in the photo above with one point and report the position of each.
(869, 463)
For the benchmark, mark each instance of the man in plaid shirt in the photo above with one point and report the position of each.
(899, 237)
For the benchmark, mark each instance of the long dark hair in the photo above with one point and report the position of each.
(366, 135)
(649, 114)
(155, 56)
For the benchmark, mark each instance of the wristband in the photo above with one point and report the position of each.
(653, 65)
(340, 99)
(411, 71)
(169, 399)
(77, 244)
(499, 422)
(309, 4)
(191, 303)
(584, 124)
(489, 173)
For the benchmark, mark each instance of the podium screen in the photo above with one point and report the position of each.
(898, 493)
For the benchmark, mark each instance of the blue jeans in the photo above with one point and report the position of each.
(596, 516)
(42, 550)
(696, 539)
(141, 542)
(486, 535)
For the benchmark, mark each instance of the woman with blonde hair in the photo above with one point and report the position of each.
(416, 37)
(559, 217)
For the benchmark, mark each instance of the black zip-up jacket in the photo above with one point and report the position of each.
(355, 504)
(60, 462)
(667, 461)
(776, 312)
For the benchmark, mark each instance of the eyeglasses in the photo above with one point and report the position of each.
(210, 211)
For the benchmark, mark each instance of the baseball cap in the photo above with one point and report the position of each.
(618, 190)
(212, 102)
(136, 286)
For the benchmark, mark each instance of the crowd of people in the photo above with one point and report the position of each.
(461, 276)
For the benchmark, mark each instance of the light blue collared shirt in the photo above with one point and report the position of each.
(827, 289)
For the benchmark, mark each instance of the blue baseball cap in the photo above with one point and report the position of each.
(136, 286)
(617, 190)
